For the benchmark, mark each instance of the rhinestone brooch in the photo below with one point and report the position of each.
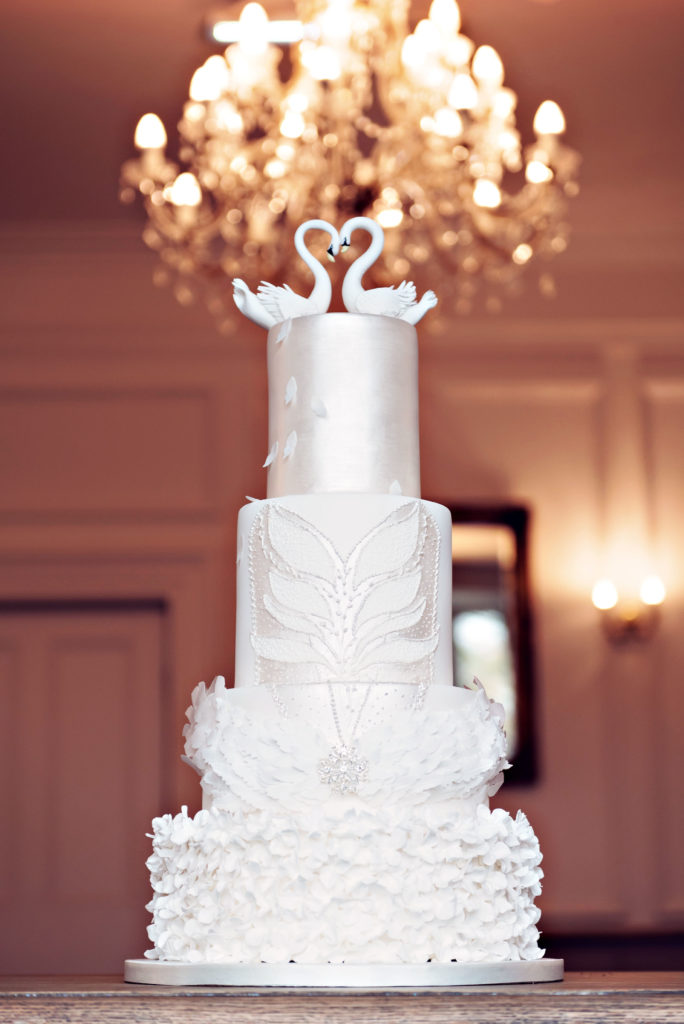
(343, 770)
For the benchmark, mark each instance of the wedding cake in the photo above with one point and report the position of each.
(345, 780)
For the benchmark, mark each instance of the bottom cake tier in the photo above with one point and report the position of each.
(406, 865)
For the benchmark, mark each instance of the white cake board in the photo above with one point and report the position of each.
(170, 972)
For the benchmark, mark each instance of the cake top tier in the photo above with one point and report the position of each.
(343, 406)
(343, 387)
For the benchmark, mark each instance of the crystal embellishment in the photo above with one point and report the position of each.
(344, 769)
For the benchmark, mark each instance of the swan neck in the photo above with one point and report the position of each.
(353, 277)
(322, 288)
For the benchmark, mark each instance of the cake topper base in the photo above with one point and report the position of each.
(334, 976)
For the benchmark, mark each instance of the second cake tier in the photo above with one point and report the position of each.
(344, 587)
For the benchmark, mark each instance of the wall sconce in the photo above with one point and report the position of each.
(628, 618)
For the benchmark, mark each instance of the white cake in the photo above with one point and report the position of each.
(345, 780)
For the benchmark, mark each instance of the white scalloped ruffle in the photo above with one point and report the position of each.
(413, 867)
(350, 886)
(248, 754)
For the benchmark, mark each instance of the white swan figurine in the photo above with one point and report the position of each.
(395, 301)
(272, 304)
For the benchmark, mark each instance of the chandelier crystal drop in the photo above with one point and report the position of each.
(414, 129)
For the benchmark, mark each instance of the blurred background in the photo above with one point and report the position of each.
(131, 431)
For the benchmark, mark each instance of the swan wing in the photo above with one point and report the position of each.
(281, 302)
(387, 301)
(250, 305)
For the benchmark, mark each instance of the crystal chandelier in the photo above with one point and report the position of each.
(360, 116)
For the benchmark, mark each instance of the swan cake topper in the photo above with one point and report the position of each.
(271, 304)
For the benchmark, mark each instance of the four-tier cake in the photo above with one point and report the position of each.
(345, 780)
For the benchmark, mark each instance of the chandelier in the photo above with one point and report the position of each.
(356, 116)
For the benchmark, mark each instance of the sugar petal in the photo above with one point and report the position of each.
(290, 445)
(271, 455)
(283, 331)
(290, 391)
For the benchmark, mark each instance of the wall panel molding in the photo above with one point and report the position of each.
(97, 451)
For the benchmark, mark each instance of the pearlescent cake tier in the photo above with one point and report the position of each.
(343, 406)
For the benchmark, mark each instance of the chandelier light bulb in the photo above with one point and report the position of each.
(322, 62)
(504, 103)
(486, 194)
(604, 595)
(217, 73)
(427, 36)
(487, 67)
(253, 30)
(389, 218)
(446, 14)
(462, 93)
(549, 119)
(334, 21)
(292, 125)
(447, 123)
(203, 87)
(537, 172)
(297, 101)
(652, 590)
(150, 133)
(411, 54)
(185, 190)
(458, 51)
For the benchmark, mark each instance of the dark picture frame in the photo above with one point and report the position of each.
(516, 519)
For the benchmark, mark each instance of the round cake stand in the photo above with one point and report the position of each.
(507, 972)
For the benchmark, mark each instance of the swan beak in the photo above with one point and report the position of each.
(345, 245)
(330, 254)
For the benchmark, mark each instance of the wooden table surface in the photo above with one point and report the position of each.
(644, 997)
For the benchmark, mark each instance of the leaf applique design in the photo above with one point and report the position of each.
(395, 487)
(369, 615)
(393, 595)
(290, 650)
(376, 626)
(319, 408)
(297, 548)
(386, 550)
(292, 619)
(298, 595)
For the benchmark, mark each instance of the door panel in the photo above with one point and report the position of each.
(81, 766)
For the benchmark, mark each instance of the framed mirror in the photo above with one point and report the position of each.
(492, 621)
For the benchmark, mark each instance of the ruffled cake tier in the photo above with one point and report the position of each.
(411, 867)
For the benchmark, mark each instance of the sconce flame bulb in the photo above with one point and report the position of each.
(604, 595)
(652, 590)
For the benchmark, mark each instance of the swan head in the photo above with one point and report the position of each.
(364, 224)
